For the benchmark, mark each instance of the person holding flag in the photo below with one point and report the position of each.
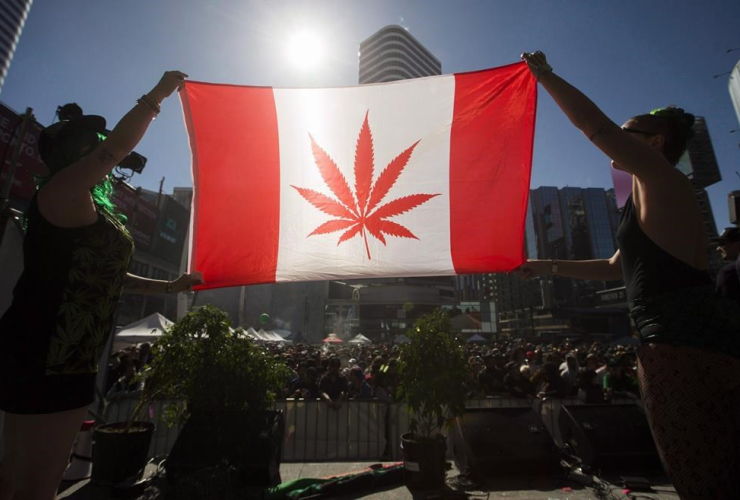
(689, 360)
(76, 253)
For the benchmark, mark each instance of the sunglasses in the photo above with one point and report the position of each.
(638, 131)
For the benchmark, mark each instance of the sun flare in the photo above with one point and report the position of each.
(305, 50)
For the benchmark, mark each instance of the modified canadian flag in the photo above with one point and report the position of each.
(420, 177)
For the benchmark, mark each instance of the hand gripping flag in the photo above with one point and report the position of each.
(420, 177)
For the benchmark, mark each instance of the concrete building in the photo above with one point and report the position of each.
(13, 14)
(699, 163)
(733, 86)
(159, 224)
(392, 54)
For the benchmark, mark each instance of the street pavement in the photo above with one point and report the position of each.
(519, 489)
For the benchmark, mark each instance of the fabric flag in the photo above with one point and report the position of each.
(419, 177)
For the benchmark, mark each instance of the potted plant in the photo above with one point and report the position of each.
(432, 373)
(229, 385)
(120, 449)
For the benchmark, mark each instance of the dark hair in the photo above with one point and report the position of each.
(672, 123)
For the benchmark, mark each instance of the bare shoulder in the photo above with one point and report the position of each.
(669, 215)
(672, 189)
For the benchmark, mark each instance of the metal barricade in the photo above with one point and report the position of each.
(358, 430)
(317, 432)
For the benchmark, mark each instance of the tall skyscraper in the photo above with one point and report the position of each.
(568, 223)
(13, 14)
(733, 86)
(392, 53)
(699, 162)
(576, 224)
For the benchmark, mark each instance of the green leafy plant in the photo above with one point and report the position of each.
(201, 360)
(432, 373)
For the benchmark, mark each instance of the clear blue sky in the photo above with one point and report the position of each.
(629, 56)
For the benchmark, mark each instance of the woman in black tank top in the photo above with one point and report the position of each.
(689, 360)
(76, 253)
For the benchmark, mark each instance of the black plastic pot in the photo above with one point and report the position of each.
(250, 443)
(424, 462)
(117, 454)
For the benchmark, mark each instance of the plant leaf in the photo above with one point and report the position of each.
(389, 176)
(352, 213)
(350, 234)
(333, 226)
(394, 229)
(401, 205)
(324, 203)
(373, 227)
(363, 166)
(333, 176)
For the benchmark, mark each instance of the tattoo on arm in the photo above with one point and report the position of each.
(105, 156)
(605, 127)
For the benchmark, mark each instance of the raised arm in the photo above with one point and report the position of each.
(629, 153)
(71, 185)
(595, 270)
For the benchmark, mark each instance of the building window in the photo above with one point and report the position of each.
(160, 274)
(138, 268)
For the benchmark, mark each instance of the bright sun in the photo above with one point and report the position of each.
(305, 50)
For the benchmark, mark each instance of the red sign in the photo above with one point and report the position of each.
(29, 164)
(141, 213)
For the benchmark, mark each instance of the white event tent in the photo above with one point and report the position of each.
(264, 336)
(360, 339)
(147, 329)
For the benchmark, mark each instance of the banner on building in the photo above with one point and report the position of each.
(29, 164)
(141, 213)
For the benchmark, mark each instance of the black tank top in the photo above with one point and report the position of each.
(649, 270)
(65, 301)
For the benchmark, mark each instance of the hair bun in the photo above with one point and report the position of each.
(684, 121)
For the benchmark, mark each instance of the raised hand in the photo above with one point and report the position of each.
(533, 268)
(170, 81)
(537, 63)
(186, 282)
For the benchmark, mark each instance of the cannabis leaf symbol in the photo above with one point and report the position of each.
(362, 215)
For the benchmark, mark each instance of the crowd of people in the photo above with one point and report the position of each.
(593, 372)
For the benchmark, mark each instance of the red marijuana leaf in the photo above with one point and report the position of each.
(362, 215)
